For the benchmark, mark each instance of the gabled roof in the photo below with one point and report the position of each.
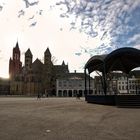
(37, 65)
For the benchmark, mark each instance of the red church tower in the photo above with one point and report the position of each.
(15, 65)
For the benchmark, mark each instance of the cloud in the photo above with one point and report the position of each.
(31, 17)
(112, 21)
(40, 12)
(134, 39)
(21, 13)
(1, 7)
(137, 46)
(29, 3)
(33, 24)
(2, 3)
(78, 53)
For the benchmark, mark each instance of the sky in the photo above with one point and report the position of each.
(74, 30)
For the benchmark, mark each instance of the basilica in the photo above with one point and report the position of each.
(36, 77)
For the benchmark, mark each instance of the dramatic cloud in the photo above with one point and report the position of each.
(82, 28)
(113, 21)
(30, 11)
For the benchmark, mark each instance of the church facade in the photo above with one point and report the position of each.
(36, 77)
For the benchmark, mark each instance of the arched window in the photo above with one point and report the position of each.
(70, 93)
(65, 93)
(75, 93)
(80, 93)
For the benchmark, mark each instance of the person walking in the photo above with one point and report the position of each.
(38, 97)
(77, 96)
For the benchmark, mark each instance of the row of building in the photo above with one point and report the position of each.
(47, 79)
(119, 83)
(43, 78)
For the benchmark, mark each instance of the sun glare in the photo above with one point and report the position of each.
(4, 75)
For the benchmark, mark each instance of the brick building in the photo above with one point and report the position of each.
(34, 77)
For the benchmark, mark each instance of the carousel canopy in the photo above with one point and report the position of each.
(123, 59)
(95, 63)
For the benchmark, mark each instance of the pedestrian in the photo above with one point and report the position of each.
(77, 95)
(38, 97)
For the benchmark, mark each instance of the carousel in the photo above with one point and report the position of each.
(122, 60)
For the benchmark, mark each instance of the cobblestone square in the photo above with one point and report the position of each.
(65, 119)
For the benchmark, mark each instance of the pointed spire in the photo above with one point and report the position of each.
(63, 63)
(17, 46)
(10, 60)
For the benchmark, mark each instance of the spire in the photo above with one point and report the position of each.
(63, 63)
(47, 52)
(16, 52)
(28, 53)
(28, 59)
(17, 46)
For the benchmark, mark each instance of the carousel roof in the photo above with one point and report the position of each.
(123, 59)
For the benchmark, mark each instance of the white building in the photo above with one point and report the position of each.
(120, 83)
(130, 85)
(72, 85)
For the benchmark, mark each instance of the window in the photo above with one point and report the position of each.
(80, 85)
(59, 93)
(60, 84)
(119, 87)
(65, 93)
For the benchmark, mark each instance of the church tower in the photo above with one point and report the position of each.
(63, 63)
(47, 57)
(15, 64)
(65, 67)
(47, 72)
(28, 59)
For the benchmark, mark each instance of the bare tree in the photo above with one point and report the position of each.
(54, 60)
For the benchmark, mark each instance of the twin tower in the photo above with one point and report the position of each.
(34, 77)
(15, 65)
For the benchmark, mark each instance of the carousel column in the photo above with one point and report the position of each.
(89, 83)
(85, 92)
(104, 79)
